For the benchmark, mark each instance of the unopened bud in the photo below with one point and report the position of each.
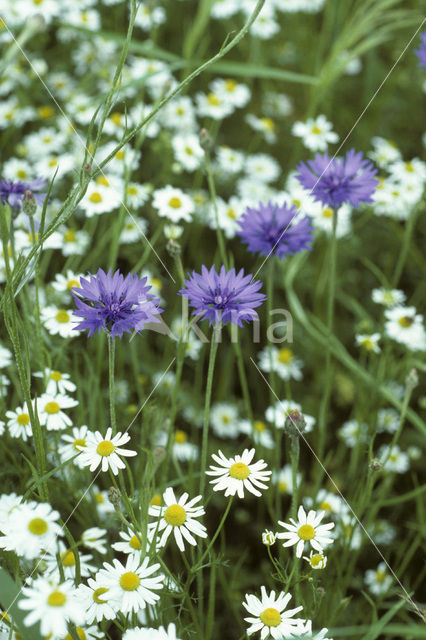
(29, 204)
(173, 248)
(375, 465)
(295, 423)
(87, 167)
(206, 141)
(114, 498)
(268, 537)
(412, 380)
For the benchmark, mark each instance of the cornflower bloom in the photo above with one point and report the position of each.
(13, 192)
(114, 303)
(223, 297)
(334, 181)
(421, 51)
(270, 229)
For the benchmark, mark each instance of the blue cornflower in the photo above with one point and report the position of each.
(13, 192)
(335, 181)
(421, 51)
(114, 303)
(223, 297)
(269, 229)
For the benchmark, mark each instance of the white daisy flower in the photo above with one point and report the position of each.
(329, 502)
(132, 543)
(131, 587)
(64, 283)
(262, 167)
(238, 473)
(229, 161)
(316, 133)
(307, 529)
(270, 617)
(105, 451)
(141, 633)
(19, 423)
(316, 560)
(94, 538)
(387, 421)
(308, 634)
(51, 604)
(173, 204)
(73, 445)
(237, 93)
(188, 151)
(73, 242)
(405, 325)
(95, 600)
(30, 528)
(368, 341)
(103, 505)
(177, 516)
(68, 563)
(388, 297)
(258, 432)
(353, 431)
(57, 382)
(224, 420)
(50, 414)
(211, 105)
(284, 479)
(281, 361)
(264, 125)
(59, 321)
(378, 580)
(393, 459)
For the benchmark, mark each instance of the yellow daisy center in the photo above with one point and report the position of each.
(316, 560)
(231, 214)
(316, 129)
(175, 203)
(409, 167)
(97, 595)
(73, 283)
(102, 180)
(270, 617)
(129, 581)
(132, 191)
(23, 419)
(225, 419)
(45, 112)
(56, 599)
(368, 344)
(175, 515)
(325, 506)
(68, 558)
(155, 282)
(62, 316)
(156, 500)
(306, 532)
(52, 407)
(259, 426)
(116, 118)
(189, 151)
(120, 154)
(405, 322)
(105, 448)
(80, 442)
(327, 213)
(239, 470)
(285, 356)
(283, 486)
(268, 123)
(95, 197)
(380, 576)
(180, 436)
(80, 633)
(99, 498)
(69, 235)
(37, 526)
(56, 375)
(134, 543)
(22, 174)
(213, 100)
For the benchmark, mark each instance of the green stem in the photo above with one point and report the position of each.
(209, 385)
(111, 360)
(406, 242)
(243, 379)
(322, 422)
(218, 530)
(294, 458)
(212, 191)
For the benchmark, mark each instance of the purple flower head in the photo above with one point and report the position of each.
(114, 303)
(13, 192)
(335, 181)
(223, 297)
(269, 229)
(421, 51)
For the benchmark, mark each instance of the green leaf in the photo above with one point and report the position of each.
(9, 598)
(376, 629)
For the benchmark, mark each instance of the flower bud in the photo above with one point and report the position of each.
(173, 248)
(295, 423)
(412, 380)
(29, 204)
(268, 537)
(206, 141)
(375, 465)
